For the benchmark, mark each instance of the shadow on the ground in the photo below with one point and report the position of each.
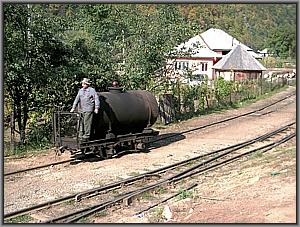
(155, 142)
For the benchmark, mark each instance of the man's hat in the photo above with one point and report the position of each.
(86, 81)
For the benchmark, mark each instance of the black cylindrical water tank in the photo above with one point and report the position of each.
(123, 112)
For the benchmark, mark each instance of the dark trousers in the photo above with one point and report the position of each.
(85, 125)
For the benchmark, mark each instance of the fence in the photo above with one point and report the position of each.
(182, 104)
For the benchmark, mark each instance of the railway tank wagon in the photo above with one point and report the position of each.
(124, 112)
(123, 122)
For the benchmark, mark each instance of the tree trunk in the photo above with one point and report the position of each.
(22, 116)
(25, 118)
(12, 131)
(20, 125)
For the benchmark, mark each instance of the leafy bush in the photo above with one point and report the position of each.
(223, 90)
(39, 130)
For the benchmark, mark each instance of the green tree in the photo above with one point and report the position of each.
(30, 49)
(95, 31)
(282, 41)
(149, 34)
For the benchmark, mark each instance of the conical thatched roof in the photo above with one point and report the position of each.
(239, 59)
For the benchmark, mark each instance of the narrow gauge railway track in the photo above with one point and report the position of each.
(212, 160)
(203, 166)
(277, 108)
(71, 160)
(39, 167)
(169, 136)
(228, 119)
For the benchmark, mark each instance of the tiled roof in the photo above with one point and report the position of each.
(239, 59)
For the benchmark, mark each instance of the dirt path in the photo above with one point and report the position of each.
(248, 195)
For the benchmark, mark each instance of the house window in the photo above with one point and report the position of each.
(199, 77)
(182, 65)
(204, 66)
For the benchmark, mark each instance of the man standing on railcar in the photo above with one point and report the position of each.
(88, 101)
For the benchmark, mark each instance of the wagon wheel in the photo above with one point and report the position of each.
(110, 151)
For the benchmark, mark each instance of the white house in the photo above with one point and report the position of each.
(199, 54)
(264, 53)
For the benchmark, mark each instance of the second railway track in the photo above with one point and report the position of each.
(107, 195)
(163, 137)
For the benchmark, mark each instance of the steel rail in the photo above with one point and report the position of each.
(95, 208)
(187, 173)
(221, 121)
(77, 196)
(278, 108)
(264, 148)
(39, 167)
(219, 156)
(172, 179)
(177, 164)
(166, 199)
